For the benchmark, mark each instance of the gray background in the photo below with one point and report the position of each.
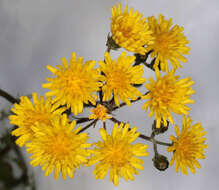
(34, 33)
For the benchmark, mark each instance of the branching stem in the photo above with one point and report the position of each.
(147, 138)
(83, 120)
(124, 104)
(88, 126)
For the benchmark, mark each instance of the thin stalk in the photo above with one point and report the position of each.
(149, 66)
(101, 96)
(88, 126)
(83, 120)
(154, 144)
(147, 138)
(124, 104)
(8, 97)
(164, 143)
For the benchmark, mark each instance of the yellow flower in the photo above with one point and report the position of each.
(117, 154)
(74, 83)
(169, 44)
(119, 77)
(168, 94)
(100, 112)
(129, 29)
(188, 146)
(58, 147)
(28, 113)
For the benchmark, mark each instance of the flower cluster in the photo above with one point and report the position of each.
(58, 144)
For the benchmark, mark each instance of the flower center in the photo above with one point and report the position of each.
(164, 92)
(117, 154)
(186, 147)
(163, 42)
(118, 80)
(59, 146)
(72, 82)
(100, 111)
(125, 25)
(160, 42)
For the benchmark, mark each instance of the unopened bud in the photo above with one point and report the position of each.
(142, 58)
(160, 130)
(111, 44)
(160, 162)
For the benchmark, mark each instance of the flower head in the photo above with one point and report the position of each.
(58, 147)
(119, 77)
(129, 29)
(100, 112)
(188, 146)
(168, 94)
(169, 43)
(116, 154)
(28, 113)
(74, 83)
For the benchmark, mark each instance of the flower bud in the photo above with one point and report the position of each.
(160, 130)
(142, 58)
(160, 162)
(111, 44)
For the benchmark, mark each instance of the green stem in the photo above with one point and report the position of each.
(101, 96)
(104, 125)
(147, 138)
(164, 143)
(124, 104)
(83, 120)
(150, 66)
(154, 144)
(8, 97)
(88, 126)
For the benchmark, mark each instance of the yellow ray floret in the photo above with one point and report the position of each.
(169, 43)
(129, 29)
(74, 83)
(168, 94)
(58, 147)
(119, 77)
(188, 146)
(116, 154)
(28, 113)
(100, 112)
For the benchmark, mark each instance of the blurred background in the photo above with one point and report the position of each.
(34, 33)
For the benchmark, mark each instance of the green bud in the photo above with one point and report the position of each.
(160, 162)
(111, 44)
(160, 130)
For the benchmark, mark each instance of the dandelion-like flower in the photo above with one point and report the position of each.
(169, 43)
(119, 77)
(74, 83)
(28, 113)
(168, 94)
(58, 147)
(100, 112)
(188, 146)
(116, 154)
(129, 29)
